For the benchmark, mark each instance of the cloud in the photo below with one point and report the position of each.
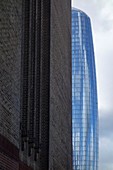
(106, 124)
(106, 154)
(106, 140)
(104, 63)
(100, 10)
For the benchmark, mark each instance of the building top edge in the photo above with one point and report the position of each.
(78, 10)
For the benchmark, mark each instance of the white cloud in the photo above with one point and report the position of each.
(104, 63)
(106, 154)
(106, 140)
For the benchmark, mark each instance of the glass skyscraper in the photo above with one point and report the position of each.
(84, 95)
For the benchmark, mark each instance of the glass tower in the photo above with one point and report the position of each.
(84, 95)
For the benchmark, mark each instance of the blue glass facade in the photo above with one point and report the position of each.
(84, 95)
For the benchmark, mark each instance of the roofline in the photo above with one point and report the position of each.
(78, 10)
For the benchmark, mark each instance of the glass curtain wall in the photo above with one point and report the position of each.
(84, 95)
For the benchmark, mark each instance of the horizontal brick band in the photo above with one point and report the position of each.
(8, 148)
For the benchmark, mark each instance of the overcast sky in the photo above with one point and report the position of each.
(101, 15)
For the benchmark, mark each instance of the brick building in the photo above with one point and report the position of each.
(35, 85)
(10, 59)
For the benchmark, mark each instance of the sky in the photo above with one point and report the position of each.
(101, 15)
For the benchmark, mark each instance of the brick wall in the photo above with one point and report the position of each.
(23, 166)
(7, 163)
(60, 86)
(10, 55)
(60, 83)
(10, 60)
(9, 156)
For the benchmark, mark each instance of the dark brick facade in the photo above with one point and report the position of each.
(48, 109)
(6, 163)
(10, 58)
(35, 55)
(60, 86)
(9, 156)
(35, 84)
